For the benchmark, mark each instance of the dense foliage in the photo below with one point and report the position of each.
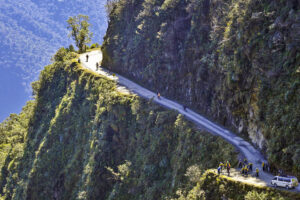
(82, 139)
(79, 31)
(212, 186)
(236, 61)
(13, 133)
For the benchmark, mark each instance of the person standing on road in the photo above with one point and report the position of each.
(263, 166)
(228, 168)
(243, 171)
(158, 95)
(97, 66)
(257, 172)
(240, 164)
(250, 166)
(219, 170)
(221, 165)
(246, 171)
(228, 164)
(87, 57)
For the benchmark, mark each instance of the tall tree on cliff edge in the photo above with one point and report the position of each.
(79, 31)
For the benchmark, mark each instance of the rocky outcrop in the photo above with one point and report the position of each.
(235, 62)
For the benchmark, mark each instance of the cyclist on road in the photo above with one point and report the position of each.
(97, 66)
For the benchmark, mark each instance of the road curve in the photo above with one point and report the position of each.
(253, 155)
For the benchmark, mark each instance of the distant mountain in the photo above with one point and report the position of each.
(30, 33)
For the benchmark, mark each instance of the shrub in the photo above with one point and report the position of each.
(95, 45)
(60, 55)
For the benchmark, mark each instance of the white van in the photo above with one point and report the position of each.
(287, 182)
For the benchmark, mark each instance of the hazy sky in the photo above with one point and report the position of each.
(30, 33)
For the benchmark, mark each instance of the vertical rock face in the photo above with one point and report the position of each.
(254, 130)
(256, 136)
(220, 58)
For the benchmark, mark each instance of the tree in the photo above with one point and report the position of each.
(79, 31)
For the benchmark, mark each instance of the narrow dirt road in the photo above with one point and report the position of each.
(126, 86)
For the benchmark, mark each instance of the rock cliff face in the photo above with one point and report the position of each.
(235, 61)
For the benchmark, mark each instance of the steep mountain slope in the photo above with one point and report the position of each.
(235, 61)
(86, 140)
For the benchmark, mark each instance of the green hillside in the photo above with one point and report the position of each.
(85, 140)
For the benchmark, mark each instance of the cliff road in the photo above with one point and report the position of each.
(245, 148)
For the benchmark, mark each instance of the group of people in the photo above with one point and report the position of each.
(226, 166)
(247, 168)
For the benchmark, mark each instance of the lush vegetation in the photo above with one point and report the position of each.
(212, 186)
(82, 139)
(236, 61)
(13, 132)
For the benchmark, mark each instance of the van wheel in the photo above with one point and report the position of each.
(287, 187)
